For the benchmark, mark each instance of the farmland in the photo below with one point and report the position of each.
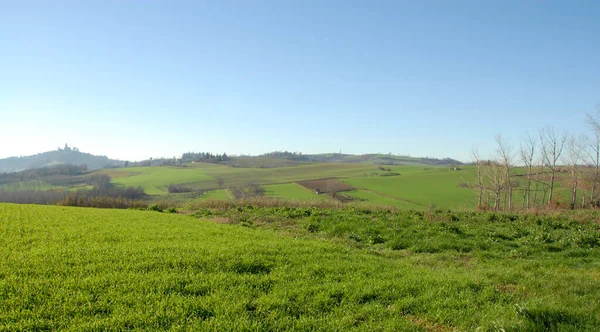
(363, 183)
(292, 191)
(410, 186)
(296, 268)
(441, 188)
(155, 180)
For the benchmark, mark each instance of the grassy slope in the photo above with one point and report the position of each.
(242, 176)
(293, 191)
(263, 162)
(117, 269)
(440, 188)
(155, 180)
(220, 194)
(371, 198)
(416, 187)
(203, 176)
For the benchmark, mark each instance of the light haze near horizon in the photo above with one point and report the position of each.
(139, 79)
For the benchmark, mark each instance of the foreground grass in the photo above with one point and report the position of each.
(306, 269)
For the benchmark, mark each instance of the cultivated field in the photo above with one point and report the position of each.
(414, 187)
(155, 180)
(251, 268)
(293, 191)
(408, 186)
(438, 187)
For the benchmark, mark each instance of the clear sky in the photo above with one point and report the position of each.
(137, 79)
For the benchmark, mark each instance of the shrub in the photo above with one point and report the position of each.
(155, 207)
(177, 188)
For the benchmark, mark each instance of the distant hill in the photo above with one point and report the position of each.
(61, 156)
(285, 158)
(382, 159)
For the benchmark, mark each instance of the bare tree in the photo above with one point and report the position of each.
(528, 146)
(494, 177)
(593, 122)
(506, 159)
(539, 180)
(220, 181)
(574, 149)
(479, 185)
(552, 146)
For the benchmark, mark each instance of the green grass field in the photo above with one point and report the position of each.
(370, 198)
(220, 194)
(415, 187)
(441, 188)
(293, 191)
(155, 180)
(241, 176)
(262, 162)
(90, 269)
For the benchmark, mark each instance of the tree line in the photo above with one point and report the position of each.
(548, 160)
(205, 157)
(296, 156)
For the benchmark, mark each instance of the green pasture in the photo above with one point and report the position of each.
(441, 188)
(263, 161)
(155, 180)
(415, 187)
(233, 176)
(293, 192)
(356, 269)
(220, 194)
(370, 198)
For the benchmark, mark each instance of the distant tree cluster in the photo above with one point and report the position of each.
(296, 156)
(204, 157)
(549, 158)
(443, 161)
(155, 162)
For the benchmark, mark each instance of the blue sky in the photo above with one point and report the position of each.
(140, 79)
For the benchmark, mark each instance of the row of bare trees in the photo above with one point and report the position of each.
(542, 163)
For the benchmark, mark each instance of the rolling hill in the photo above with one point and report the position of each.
(61, 156)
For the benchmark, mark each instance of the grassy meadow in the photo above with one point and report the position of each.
(296, 269)
(155, 180)
(410, 187)
(421, 189)
(293, 191)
